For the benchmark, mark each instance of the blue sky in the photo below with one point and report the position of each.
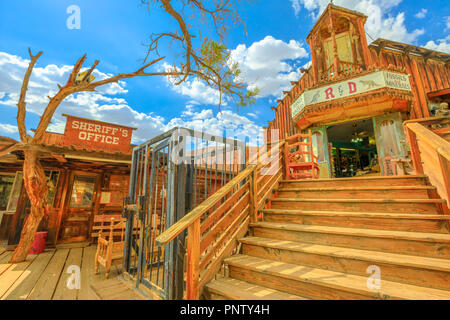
(113, 31)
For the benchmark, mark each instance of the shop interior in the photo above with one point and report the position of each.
(354, 150)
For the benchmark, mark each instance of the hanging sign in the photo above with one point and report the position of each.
(369, 82)
(96, 135)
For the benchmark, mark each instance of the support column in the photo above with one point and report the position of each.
(333, 40)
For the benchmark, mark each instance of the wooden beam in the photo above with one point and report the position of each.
(195, 214)
(81, 157)
(59, 157)
(438, 93)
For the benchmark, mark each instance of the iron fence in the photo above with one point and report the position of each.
(171, 175)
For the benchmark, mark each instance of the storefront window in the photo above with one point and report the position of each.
(52, 183)
(6, 184)
(317, 140)
(82, 192)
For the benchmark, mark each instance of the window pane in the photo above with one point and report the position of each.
(82, 192)
(15, 194)
(52, 182)
(6, 184)
(344, 48)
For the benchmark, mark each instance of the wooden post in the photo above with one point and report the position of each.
(253, 196)
(365, 49)
(315, 67)
(422, 110)
(445, 168)
(335, 50)
(193, 261)
(415, 152)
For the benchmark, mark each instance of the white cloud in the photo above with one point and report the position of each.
(193, 88)
(296, 6)
(421, 14)
(381, 23)
(442, 45)
(252, 114)
(8, 128)
(199, 92)
(104, 105)
(226, 123)
(269, 64)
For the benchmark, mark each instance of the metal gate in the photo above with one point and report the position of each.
(170, 175)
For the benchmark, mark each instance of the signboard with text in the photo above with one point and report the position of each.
(354, 86)
(96, 135)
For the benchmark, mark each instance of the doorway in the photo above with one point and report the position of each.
(80, 207)
(353, 149)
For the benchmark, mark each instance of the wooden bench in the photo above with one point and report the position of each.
(108, 250)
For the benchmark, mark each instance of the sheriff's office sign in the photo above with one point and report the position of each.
(369, 82)
(96, 135)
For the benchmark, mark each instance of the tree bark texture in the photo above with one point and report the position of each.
(35, 184)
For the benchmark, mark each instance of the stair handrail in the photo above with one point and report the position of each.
(425, 146)
(235, 206)
(190, 218)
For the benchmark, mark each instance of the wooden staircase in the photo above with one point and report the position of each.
(318, 238)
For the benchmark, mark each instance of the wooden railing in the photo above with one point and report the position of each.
(214, 226)
(346, 68)
(430, 154)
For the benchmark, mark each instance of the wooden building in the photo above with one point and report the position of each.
(88, 174)
(355, 97)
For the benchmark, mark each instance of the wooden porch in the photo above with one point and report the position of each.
(44, 277)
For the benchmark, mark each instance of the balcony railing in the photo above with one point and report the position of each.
(345, 68)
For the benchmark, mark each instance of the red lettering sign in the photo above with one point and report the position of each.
(329, 93)
(96, 135)
(351, 87)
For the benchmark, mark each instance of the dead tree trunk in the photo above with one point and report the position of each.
(36, 186)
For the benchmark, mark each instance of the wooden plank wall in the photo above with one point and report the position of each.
(428, 75)
(283, 119)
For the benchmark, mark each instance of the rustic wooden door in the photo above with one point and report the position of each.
(80, 205)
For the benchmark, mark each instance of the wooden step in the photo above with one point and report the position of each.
(322, 284)
(379, 192)
(414, 243)
(233, 289)
(423, 206)
(357, 181)
(421, 271)
(365, 220)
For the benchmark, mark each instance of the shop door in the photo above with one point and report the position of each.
(80, 206)
(390, 139)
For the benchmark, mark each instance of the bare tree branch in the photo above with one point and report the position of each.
(21, 105)
(84, 85)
